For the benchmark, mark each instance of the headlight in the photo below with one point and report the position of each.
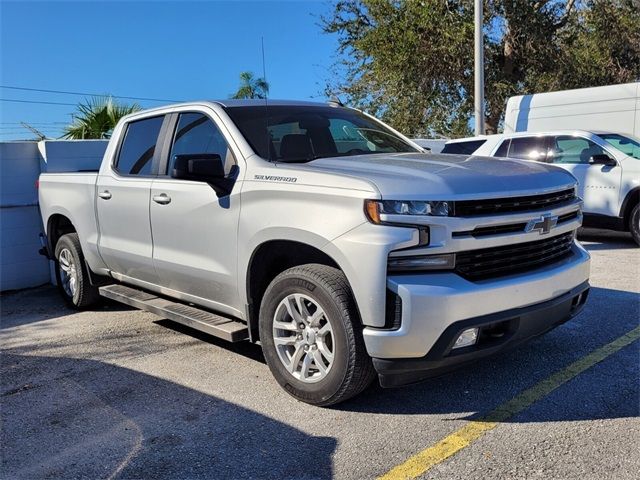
(420, 263)
(375, 208)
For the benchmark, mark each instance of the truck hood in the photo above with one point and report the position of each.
(407, 176)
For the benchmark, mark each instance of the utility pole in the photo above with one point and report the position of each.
(478, 100)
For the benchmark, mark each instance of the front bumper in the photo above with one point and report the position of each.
(498, 332)
(434, 304)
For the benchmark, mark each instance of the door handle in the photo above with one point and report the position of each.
(162, 199)
(106, 195)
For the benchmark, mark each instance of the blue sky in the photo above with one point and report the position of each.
(157, 49)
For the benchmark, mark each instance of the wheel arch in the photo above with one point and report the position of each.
(58, 225)
(630, 201)
(269, 259)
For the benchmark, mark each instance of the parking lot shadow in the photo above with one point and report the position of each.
(597, 239)
(88, 419)
(607, 390)
(249, 350)
(31, 305)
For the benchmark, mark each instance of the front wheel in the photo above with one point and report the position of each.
(71, 273)
(634, 223)
(311, 338)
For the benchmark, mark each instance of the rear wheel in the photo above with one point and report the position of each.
(71, 273)
(311, 336)
(634, 223)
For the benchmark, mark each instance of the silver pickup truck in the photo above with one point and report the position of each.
(324, 235)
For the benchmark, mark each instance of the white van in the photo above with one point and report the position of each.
(615, 108)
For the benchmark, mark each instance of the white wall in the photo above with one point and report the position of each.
(20, 165)
(20, 264)
(71, 155)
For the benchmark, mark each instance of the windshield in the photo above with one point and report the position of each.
(625, 143)
(304, 133)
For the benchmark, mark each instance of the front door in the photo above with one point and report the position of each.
(194, 231)
(123, 195)
(598, 185)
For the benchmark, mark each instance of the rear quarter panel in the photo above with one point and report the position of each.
(73, 196)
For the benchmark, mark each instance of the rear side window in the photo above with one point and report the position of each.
(463, 148)
(139, 146)
(529, 148)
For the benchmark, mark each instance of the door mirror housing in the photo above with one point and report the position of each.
(602, 159)
(205, 167)
(202, 167)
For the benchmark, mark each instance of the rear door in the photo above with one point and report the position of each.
(527, 148)
(195, 231)
(123, 192)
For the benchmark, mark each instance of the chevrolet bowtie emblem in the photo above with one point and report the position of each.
(544, 224)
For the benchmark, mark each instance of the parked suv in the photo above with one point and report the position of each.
(606, 164)
(323, 234)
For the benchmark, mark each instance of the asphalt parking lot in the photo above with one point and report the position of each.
(117, 393)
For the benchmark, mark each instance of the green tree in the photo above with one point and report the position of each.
(97, 117)
(411, 62)
(251, 87)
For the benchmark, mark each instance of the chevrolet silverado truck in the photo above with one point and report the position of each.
(327, 237)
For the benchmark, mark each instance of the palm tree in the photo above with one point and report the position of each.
(251, 87)
(97, 117)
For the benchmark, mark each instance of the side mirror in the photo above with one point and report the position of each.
(602, 159)
(203, 167)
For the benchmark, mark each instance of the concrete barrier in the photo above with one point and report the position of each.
(20, 165)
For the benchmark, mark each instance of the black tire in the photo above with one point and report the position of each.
(84, 294)
(634, 223)
(351, 369)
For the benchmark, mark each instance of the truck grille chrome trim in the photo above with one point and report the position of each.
(511, 227)
(501, 261)
(471, 208)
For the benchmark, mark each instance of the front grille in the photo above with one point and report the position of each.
(500, 261)
(568, 217)
(471, 208)
(493, 230)
(510, 228)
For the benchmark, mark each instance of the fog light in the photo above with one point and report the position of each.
(466, 338)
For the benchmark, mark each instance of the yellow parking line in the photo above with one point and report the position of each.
(450, 445)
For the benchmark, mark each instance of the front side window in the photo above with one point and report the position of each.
(304, 133)
(196, 133)
(528, 148)
(569, 149)
(139, 146)
(625, 143)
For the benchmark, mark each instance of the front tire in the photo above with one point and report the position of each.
(634, 223)
(311, 338)
(72, 275)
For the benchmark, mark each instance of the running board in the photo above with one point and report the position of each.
(202, 320)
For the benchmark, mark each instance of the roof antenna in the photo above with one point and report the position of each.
(266, 105)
